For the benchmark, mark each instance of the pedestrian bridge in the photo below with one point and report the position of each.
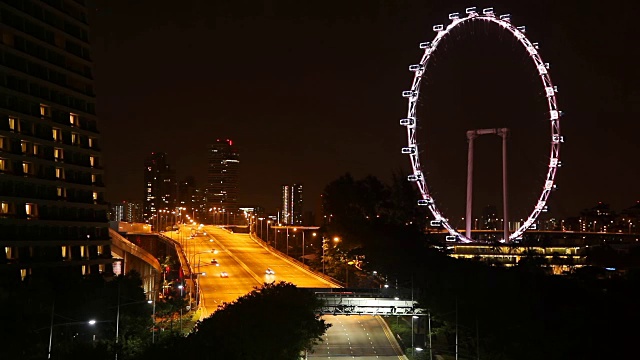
(363, 302)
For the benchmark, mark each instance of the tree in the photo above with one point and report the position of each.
(277, 321)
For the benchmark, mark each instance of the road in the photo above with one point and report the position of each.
(359, 337)
(243, 259)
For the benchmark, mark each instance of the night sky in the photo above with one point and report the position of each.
(310, 90)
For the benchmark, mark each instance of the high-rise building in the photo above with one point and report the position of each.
(222, 175)
(160, 186)
(52, 213)
(292, 204)
(116, 212)
(131, 211)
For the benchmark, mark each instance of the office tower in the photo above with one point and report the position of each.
(132, 211)
(116, 212)
(160, 186)
(52, 215)
(292, 204)
(222, 176)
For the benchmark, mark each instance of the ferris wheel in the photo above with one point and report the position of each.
(410, 122)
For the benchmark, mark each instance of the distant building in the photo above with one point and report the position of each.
(116, 212)
(132, 212)
(160, 186)
(222, 176)
(292, 211)
(53, 218)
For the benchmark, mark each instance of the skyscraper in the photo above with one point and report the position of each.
(160, 186)
(292, 204)
(222, 175)
(52, 214)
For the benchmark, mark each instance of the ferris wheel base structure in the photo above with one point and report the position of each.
(487, 15)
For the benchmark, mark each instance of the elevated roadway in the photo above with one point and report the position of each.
(245, 261)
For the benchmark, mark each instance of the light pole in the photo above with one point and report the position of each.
(413, 349)
(181, 298)
(268, 222)
(261, 233)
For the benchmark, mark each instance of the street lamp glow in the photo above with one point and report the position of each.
(336, 239)
(92, 322)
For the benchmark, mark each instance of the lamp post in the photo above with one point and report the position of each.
(89, 322)
(413, 349)
(261, 221)
(268, 222)
(181, 298)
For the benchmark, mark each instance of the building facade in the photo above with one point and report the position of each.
(222, 176)
(160, 186)
(52, 213)
(292, 212)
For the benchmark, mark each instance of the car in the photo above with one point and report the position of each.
(224, 274)
(215, 262)
(270, 272)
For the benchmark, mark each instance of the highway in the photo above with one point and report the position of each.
(359, 337)
(244, 260)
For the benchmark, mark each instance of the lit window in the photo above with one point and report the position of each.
(35, 149)
(31, 209)
(3, 141)
(60, 173)
(25, 146)
(4, 207)
(75, 138)
(62, 192)
(92, 161)
(58, 154)
(95, 195)
(45, 110)
(64, 252)
(14, 124)
(27, 167)
(100, 249)
(82, 252)
(3, 165)
(57, 134)
(93, 178)
(92, 142)
(73, 119)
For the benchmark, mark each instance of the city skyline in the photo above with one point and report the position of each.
(337, 110)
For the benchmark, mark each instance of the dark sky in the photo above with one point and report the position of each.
(309, 90)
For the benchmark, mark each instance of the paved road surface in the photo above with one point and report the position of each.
(359, 337)
(244, 260)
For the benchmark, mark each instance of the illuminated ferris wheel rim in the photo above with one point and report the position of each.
(410, 122)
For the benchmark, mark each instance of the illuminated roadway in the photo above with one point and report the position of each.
(359, 337)
(246, 260)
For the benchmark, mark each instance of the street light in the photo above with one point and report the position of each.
(89, 322)
(268, 222)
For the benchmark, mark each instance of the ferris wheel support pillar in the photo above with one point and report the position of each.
(503, 132)
(471, 135)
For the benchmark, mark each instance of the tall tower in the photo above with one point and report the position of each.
(222, 176)
(160, 185)
(53, 218)
(292, 204)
